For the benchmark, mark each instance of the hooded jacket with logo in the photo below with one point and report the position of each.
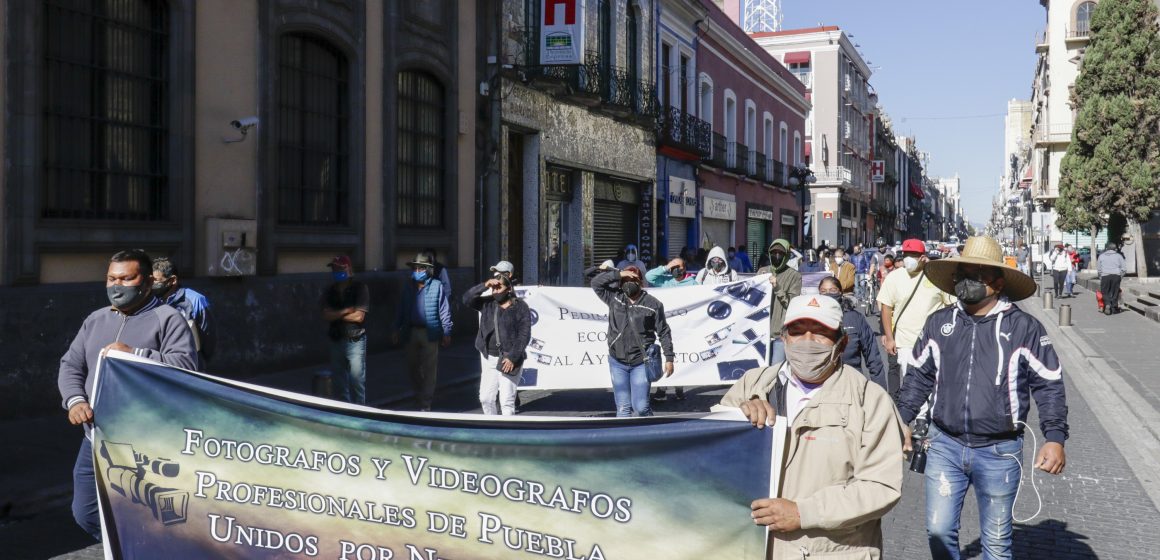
(708, 276)
(983, 372)
(632, 327)
(789, 286)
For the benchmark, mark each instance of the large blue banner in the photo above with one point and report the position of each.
(193, 466)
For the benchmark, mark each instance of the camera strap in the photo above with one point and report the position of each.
(894, 319)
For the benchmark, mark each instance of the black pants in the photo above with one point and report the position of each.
(1110, 287)
(1058, 277)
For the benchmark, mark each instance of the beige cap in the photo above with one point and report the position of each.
(823, 309)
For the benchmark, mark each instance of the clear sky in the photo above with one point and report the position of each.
(934, 61)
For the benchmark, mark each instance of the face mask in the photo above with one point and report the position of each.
(631, 289)
(125, 296)
(882, 249)
(339, 275)
(910, 263)
(810, 361)
(718, 265)
(970, 291)
(777, 259)
(159, 289)
(839, 260)
(731, 255)
(630, 256)
(419, 276)
(837, 297)
(502, 297)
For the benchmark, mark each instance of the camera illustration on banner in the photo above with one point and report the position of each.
(136, 476)
(750, 292)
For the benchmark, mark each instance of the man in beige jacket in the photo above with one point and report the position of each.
(841, 469)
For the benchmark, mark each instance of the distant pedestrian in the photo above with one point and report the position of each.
(785, 284)
(631, 258)
(977, 425)
(734, 260)
(886, 268)
(1069, 282)
(137, 323)
(1058, 263)
(440, 271)
(906, 300)
(746, 264)
(863, 345)
(636, 324)
(841, 268)
(1023, 258)
(861, 261)
(669, 275)
(717, 269)
(505, 328)
(194, 307)
(344, 307)
(1111, 267)
(423, 324)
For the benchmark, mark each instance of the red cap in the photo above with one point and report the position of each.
(340, 260)
(913, 246)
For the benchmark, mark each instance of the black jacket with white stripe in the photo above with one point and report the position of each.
(983, 372)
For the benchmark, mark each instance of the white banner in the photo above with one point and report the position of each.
(718, 332)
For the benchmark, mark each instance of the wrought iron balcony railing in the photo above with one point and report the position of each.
(681, 130)
(738, 158)
(719, 156)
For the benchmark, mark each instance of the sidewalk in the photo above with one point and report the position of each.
(1111, 359)
(38, 476)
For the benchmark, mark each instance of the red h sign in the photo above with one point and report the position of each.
(569, 12)
(878, 170)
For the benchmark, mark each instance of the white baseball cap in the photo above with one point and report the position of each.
(823, 309)
(504, 267)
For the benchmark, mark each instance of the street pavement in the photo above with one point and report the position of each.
(1104, 505)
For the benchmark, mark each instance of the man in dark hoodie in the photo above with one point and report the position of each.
(138, 323)
(785, 284)
(977, 425)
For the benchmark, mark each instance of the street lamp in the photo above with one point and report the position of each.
(801, 177)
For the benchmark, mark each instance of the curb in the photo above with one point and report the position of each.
(1132, 424)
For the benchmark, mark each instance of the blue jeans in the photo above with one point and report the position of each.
(951, 468)
(84, 502)
(630, 388)
(348, 359)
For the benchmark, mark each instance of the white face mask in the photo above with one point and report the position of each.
(910, 263)
(631, 256)
(839, 260)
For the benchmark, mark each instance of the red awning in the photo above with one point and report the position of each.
(916, 191)
(797, 57)
(1027, 177)
(808, 150)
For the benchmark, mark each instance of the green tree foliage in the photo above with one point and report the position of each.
(1112, 166)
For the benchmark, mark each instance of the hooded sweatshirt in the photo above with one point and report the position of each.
(789, 286)
(627, 262)
(983, 372)
(156, 331)
(711, 277)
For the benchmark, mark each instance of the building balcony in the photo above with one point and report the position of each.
(1052, 133)
(684, 132)
(834, 177)
(1081, 34)
(595, 84)
(737, 158)
(756, 169)
(775, 173)
(718, 157)
(1041, 44)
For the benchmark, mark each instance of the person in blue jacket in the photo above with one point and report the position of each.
(862, 346)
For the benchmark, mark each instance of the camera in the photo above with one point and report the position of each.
(245, 124)
(920, 443)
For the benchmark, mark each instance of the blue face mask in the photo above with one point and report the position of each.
(340, 275)
(419, 276)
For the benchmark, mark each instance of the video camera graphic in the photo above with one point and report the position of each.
(136, 476)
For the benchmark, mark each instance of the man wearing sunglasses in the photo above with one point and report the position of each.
(989, 359)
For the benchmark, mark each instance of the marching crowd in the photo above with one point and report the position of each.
(964, 362)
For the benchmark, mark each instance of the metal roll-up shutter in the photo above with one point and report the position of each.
(614, 226)
(757, 238)
(717, 233)
(678, 235)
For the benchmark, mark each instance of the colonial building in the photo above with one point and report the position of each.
(248, 141)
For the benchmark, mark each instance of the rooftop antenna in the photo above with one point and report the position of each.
(761, 16)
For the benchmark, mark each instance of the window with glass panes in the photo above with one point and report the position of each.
(420, 194)
(106, 130)
(312, 132)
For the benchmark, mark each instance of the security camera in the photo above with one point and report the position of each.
(245, 124)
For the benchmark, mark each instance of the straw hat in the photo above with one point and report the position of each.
(986, 252)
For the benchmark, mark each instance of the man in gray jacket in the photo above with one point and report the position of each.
(138, 323)
(1112, 268)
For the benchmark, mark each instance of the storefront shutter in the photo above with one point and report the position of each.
(757, 235)
(614, 226)
(678, 235)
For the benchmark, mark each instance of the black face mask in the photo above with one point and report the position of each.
(970, 291)
(777, 259)
(631, 289)
(502, 297)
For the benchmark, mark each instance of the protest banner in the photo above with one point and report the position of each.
(719, 332)
(193, 466)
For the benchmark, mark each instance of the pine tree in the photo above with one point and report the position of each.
(1111, 171)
